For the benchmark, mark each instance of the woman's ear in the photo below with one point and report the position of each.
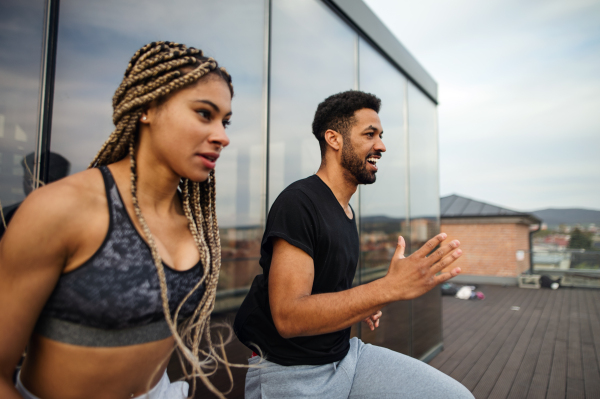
(333, 139)
(144, 117)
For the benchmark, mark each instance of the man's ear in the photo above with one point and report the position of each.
(333, 139)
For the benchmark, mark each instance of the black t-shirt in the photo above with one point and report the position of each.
(307, 215)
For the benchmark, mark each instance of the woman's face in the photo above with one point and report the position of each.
(187, 132)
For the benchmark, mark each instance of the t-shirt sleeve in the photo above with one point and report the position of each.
(293, 218)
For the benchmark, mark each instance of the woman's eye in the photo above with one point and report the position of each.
(226, 123)
(204, 113)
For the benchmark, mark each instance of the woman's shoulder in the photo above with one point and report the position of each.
(59, 215)
(80, 192)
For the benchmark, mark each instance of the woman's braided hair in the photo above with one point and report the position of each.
(155, 71)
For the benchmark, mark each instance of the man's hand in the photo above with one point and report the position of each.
(373, 320)
(411, 277)
(299, 313)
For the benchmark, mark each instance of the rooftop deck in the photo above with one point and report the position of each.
(548, 348)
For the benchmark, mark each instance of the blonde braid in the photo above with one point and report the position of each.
(155, 71)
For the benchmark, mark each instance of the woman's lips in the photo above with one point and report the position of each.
(209, 160)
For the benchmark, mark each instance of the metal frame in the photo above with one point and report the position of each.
(359, 15)
(267, 106)
(42, 164)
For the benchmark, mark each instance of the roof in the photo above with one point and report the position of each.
(455, 206)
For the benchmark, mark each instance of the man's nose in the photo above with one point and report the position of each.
(379, 146)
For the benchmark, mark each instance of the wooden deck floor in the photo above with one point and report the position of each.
(548, 348)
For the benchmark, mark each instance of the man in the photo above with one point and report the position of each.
(298, 313)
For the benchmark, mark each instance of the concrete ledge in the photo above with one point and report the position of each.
(475, 279)
(506, 219)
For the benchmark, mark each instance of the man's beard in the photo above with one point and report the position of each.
(356, 166)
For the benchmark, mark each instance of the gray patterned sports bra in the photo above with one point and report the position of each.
(113, 299)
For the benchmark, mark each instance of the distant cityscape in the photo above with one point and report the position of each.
(563, 229)
(567, 239)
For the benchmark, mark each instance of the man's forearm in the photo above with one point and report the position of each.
(298, 313)
(325, 313)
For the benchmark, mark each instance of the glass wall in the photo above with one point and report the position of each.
(313, 54)
(96, 41)
(21, 41)
(424, 212)
(423, 150)
(305, 36)
(384, 204)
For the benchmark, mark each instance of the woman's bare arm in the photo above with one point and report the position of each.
(33, 252)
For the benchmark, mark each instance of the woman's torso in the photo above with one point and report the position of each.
(69, 369)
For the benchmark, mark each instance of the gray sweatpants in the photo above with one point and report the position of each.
(367, 371)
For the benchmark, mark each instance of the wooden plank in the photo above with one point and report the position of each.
(541, 376)
(553, 351)
(486, 356)
(574, 366)
(501, 371)
(463, 315)
(495, 298)
(557, 386)
(464, 309)
(592, 299)
(524, 376)
(455, 339)
(474, 345)
(575, 389)
(591, 372)
(531, 338)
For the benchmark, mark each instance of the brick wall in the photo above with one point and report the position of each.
(490, 249)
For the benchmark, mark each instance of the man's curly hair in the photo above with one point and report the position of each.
(336, 112)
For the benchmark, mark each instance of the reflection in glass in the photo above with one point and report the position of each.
(21, 41)
(96, 41)
(312, 57)
(383, 205)
(426, 322)
(424, 213)
(423, 149)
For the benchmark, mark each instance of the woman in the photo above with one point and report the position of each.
(99, 270)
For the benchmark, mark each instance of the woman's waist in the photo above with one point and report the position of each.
(56, 369)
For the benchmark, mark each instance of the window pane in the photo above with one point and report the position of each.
(21, 41)
(312, 57)
(383, 205)
(423, 149)
(96, 41)
(424, 212)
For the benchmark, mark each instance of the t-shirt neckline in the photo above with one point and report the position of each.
(336, 200)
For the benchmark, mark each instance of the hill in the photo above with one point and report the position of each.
(555, 217)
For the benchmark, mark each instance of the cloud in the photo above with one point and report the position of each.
(519, 95)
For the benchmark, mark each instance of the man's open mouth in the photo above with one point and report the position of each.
(372, 160)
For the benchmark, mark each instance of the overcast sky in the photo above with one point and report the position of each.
(519, 95)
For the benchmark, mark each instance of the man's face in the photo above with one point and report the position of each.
(363, 146)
